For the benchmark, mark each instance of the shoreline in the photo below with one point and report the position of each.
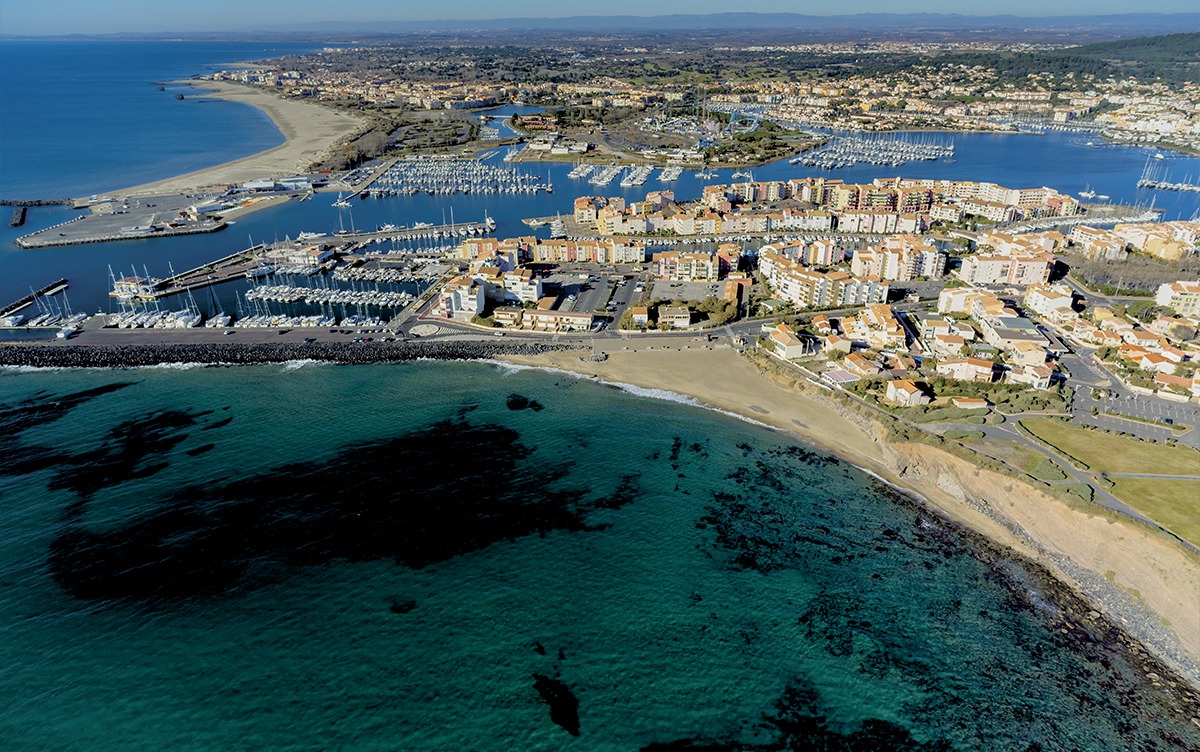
(1136, 584)
(308, 131)
(1143, 582)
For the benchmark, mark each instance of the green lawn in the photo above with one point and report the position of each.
(1174, 504)
(1106, 453)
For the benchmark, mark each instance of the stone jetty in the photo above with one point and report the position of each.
(232, 353)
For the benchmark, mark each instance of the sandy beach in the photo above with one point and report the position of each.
(1139, 578)
(309, 131)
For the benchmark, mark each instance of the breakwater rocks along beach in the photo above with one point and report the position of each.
(121, 356)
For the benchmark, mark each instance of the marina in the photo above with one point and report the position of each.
(1156, 177)
(51, 289)
(391, 227)
(392, 275)
(304, 256)
(670, 173)
(231, 553)
(50, 313)
(329, 296)
(606, 175)
(876, 150)
(440, 175)
(636, 176)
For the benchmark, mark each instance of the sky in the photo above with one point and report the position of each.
(46, 17)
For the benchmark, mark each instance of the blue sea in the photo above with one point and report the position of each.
(453, 556)
(85, 117)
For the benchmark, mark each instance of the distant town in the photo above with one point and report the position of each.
(621, 100)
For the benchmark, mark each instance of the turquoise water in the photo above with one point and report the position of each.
(314, 556)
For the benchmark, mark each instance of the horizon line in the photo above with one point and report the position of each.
(310, 27)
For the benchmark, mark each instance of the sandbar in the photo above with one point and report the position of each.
(309, 130)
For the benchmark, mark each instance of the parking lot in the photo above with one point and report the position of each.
(601, 293)
(692, 291)
(1140, 408)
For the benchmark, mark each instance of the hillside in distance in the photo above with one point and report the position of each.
(1172, 58)
(733, 28)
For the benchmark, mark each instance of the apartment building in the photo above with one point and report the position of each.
(876, 327)
(808, 288)
(902, 258)
(1183, 297)
(1054, 302)
(676, 317)
(686, 267)
(994, 269)
(462, 298)
(968, 369)
(905, 393)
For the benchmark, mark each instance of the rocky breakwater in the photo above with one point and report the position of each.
(129, 356)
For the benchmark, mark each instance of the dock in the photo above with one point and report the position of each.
(65, 234)
(413, 233)
(131, 219)
(229, 267)
(51, 289)
(236, 265)
(18, 217)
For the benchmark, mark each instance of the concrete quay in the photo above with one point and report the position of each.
(152, 217)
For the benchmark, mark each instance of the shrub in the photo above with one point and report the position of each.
(1047, 470)
(961, 434)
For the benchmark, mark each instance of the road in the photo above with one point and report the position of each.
(1095, 388)
(1007, 431)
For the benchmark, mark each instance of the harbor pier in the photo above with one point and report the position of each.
(51, 289)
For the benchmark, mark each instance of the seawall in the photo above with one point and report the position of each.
(233, 353)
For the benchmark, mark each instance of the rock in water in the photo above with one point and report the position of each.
(521, 402)
(564, 705)
(400, 606)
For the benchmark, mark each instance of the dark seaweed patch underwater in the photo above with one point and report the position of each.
(524, 563)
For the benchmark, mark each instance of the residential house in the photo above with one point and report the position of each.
(968, 369)
(904, 393)
(676, 317)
